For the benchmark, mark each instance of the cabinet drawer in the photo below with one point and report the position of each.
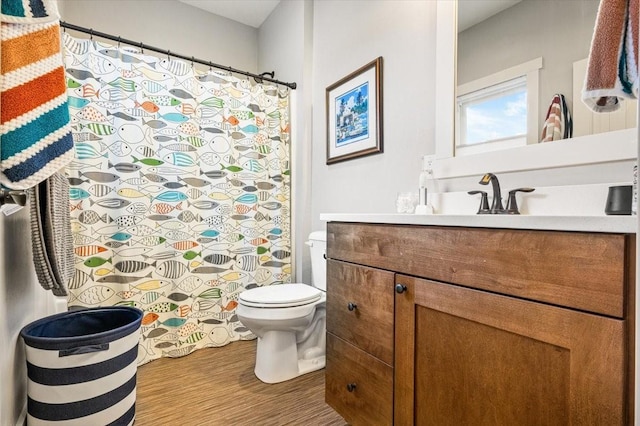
(584, 271)
(360, 307)
(371, 401)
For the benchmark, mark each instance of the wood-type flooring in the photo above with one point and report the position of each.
(217, 386)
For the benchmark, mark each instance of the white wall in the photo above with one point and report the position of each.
(22, 300)
(285, 46)
(169, 25)
(347, 35)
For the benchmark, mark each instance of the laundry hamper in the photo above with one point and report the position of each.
(81, 367)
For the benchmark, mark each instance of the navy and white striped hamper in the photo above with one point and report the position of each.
(81, 367)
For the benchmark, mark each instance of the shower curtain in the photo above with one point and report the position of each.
(179, 192)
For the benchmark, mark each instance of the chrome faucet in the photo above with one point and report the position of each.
(496, 203)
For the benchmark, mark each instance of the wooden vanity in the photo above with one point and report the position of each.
(450, 325)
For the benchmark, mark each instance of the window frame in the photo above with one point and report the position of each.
(489, 85)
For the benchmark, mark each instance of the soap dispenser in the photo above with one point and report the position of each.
(427, 189)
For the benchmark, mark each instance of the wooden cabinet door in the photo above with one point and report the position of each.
(469, 357)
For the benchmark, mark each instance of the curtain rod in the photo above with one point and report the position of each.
(141, 45)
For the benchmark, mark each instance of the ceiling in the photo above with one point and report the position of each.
(248, 12)
(472, 12)
(254, 12)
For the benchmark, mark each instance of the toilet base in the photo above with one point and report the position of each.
(277, 358)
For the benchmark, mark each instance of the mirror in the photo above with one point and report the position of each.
(565, 41)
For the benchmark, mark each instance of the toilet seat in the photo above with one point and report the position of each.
(280, 296)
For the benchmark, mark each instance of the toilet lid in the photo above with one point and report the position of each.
(280, 296)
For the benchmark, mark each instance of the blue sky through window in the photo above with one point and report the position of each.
(497, 118)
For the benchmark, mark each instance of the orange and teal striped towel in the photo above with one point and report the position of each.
(28, 11)
(612, 74)
(35, 133)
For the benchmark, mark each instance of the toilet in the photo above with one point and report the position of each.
(289, 320)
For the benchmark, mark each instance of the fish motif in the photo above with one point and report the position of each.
(174, 322)
(88, 250)
(110, 203)
(98, 64)
(150, 86)
(168, 185)
(180, 159)
(174, 117)
(171, 269)
(208, 270)
(131, 193)
(148, 106)
(90, 217)
(126, 221)
(79, 74)
(154, 124)
(176, 67)
(149, 318)
(78, 47)
(141, 230)
(124, 84)
(151, 285)
(78, 280)
(114, 95)
(98, 128)
(171, 196)
(93, 295)
(151, 240)
(131, 133)
(123, 279)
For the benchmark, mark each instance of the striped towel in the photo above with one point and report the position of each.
(35, 132)
(28, 11)
(51, 237)
(612, 73)
(558, 124)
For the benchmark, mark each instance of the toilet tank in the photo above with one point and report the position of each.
(318, 246)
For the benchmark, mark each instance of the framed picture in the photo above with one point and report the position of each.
(354, 114)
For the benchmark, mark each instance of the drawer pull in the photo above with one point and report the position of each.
(352, 306)
(400, 288)
(351, 387)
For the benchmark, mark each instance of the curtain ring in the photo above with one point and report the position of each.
(210, 66)
(192, 59)
(90, 33)
(119, 39)
(141, 47)
(168, 56)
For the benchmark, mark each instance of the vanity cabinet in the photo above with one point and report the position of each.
(490, 326)
(360, 337)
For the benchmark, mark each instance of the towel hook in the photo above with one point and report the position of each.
(13, 197)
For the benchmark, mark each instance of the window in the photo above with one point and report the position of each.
(499, 111)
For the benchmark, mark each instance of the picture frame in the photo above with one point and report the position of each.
(354, 114)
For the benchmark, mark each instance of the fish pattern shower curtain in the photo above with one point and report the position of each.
(179, 192)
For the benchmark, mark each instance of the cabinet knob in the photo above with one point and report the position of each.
(400, 288)
(351, 387)
(351, 306)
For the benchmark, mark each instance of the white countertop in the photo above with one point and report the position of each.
(610, 224)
